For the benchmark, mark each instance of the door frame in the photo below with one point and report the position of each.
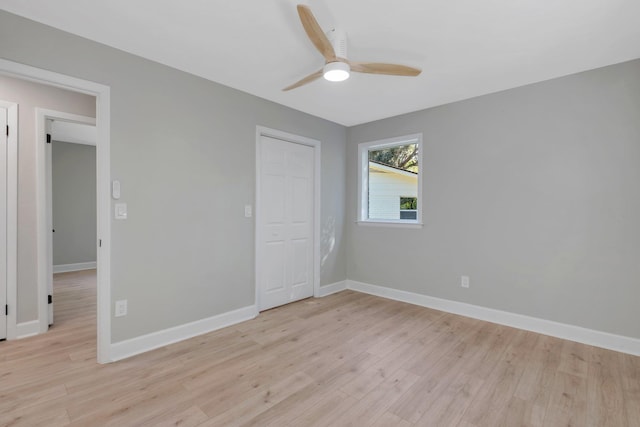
(103, 178)
(44, 195)
(296, 139)
(12, 217)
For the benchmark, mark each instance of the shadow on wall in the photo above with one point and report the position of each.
(327, 239)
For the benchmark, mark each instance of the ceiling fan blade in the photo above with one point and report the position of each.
(381, 68)
(315, 33)
(304, 81)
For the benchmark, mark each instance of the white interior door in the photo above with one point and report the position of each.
(286, 238)
(3, 222)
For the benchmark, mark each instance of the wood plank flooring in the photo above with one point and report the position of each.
(349, 359)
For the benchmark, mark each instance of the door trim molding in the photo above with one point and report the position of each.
(316, 145)
(103, 173)
(27, 329)
(12, 218)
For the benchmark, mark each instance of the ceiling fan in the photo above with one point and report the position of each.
(333, 47)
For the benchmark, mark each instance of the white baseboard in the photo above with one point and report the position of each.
(546, 327)
(332, 288)
(27, 329)
(65, 268)
(133, 346)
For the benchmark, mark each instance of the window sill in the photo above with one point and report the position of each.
(390, 223)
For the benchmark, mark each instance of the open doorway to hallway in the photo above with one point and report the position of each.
(27, 292)
(71, 197)
(32, 308)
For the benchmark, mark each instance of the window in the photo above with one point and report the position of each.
(390, 181)
(408, 208)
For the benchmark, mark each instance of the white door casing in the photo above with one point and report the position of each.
(286, 219)
(3, 220)
(48, 173)
(103, 120)
(10, 219)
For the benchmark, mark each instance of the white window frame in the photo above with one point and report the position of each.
(363, 181)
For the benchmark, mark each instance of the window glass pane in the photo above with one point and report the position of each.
(408, 203)
(408, 214)
(393, 176)
(403, 157)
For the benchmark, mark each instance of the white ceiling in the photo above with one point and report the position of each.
(466, 48)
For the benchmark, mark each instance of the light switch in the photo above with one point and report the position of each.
(121, 211)
(115, 190)
(248, 211)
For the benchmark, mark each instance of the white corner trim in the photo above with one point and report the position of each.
(133, 346)
(546, 327)
(332, 288)
(65, 268)
(27, 329)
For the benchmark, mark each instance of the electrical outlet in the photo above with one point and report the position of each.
(464, 281)
(121, 308)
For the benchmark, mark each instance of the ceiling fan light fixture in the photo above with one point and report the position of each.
(336, 71)
(332, 45)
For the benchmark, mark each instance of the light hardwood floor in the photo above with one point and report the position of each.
(347, 359)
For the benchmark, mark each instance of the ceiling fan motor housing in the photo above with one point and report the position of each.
(338, 39)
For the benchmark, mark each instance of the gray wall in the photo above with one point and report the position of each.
(183, 149)
(28, 96)
(532, 192)
(74, 203)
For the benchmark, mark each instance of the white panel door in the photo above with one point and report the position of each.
(3, 222)
(285, 247)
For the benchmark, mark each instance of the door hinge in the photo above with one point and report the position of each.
(48, 138)
(49, 299)
(7, 130)
(6, 309)
(99, 243)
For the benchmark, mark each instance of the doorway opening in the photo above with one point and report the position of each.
(103, 208)
(70, 174)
